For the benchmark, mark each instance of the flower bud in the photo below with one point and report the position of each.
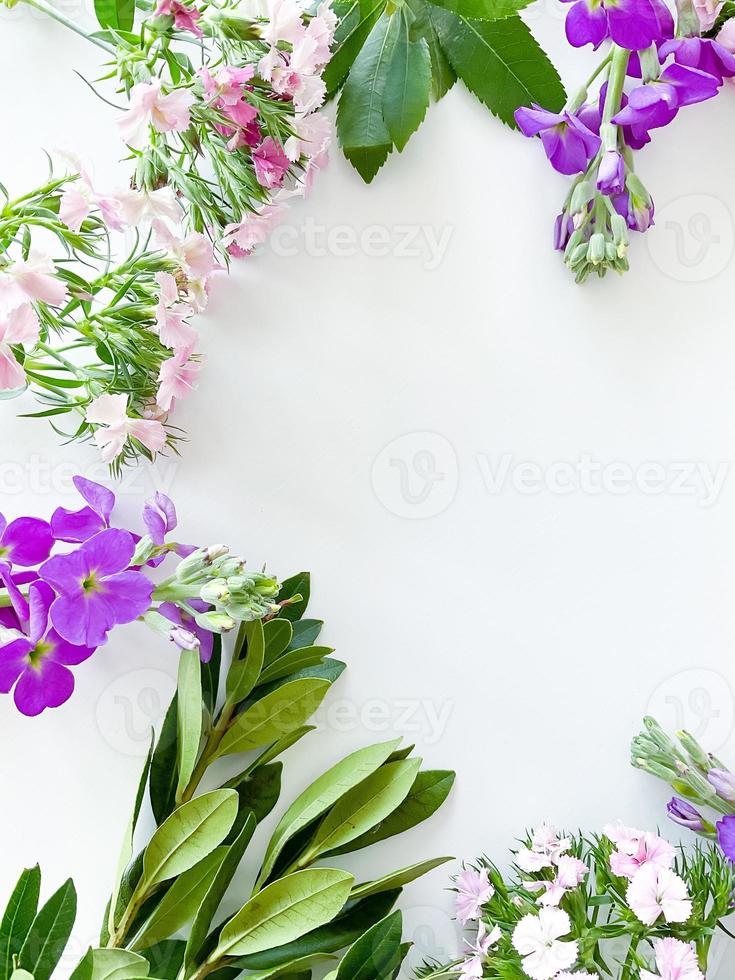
(684, 814)
(723, 783)
(596, 248)
(143, 551)
(215, 592)
(184, 638)
(215, 622)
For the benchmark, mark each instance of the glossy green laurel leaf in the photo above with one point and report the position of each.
(286, 910)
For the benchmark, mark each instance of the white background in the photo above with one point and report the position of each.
(538, 626)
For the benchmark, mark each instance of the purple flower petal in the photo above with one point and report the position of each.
(76, 526)
(109, 552)
(636, 24)
(3, 525)
(47, 686)
(13, 661)
(66, 653)
(128, 594)
(65, 573)
(586, 26)
(40, 596)
(691, 84)
(17, 599)
(27, 541)
(99, 498)
(726, 836)
(155, 524)
(532, 121)
(8, 618)
(166, 506)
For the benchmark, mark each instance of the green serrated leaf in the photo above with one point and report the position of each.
(500, 62)
(361, 128)
(408, 85)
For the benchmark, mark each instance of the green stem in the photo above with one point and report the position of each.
(56, 15)
(210, 750)
(576, 100)
(615, 82)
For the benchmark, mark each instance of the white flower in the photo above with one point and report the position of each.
(537, 939)
(655, 891)
(546, 849)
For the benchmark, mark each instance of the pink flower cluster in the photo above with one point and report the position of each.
(21, 284)
(180, 297)
(646, 860)
(543, 939)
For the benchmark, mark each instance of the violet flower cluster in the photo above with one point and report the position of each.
(69, 582)
(623, 904)
(652, 68)
(701, 782)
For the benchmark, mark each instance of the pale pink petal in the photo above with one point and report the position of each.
(74, 206)
(109, 410)
(12, 375)
(20, 326)
(151, 434)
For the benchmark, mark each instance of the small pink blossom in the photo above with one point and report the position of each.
(18, 326)
(241, 238)
(111, 411)
(177, 378)
(726, 36)
(538, 938)
(649, 849)
(29, 280)
(149, 107)
(171, 315)
(658, 891)
(570, 872)
(472, 966)
(228, 85)
(707, 12)
(137, 207)
(675, 960)
(194, 253)
(285, 22)
(185, 18)
(271, 163)
(313, 135)
(473, 890)
(545, 850)
(80, 197)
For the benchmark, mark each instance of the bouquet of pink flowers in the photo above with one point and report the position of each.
(102, 330)
(625, 904)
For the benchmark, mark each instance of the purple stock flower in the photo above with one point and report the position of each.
(569, 144)
(656, 103)
(160, 519)
(611, 173)
(637, 211)
(180, 618)
(726, 836)
(685, 815)
(723, 783)
(633, 24)
(96, 588)
(26, 541)
(701, 53)
(37, 664)
(76, 526)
